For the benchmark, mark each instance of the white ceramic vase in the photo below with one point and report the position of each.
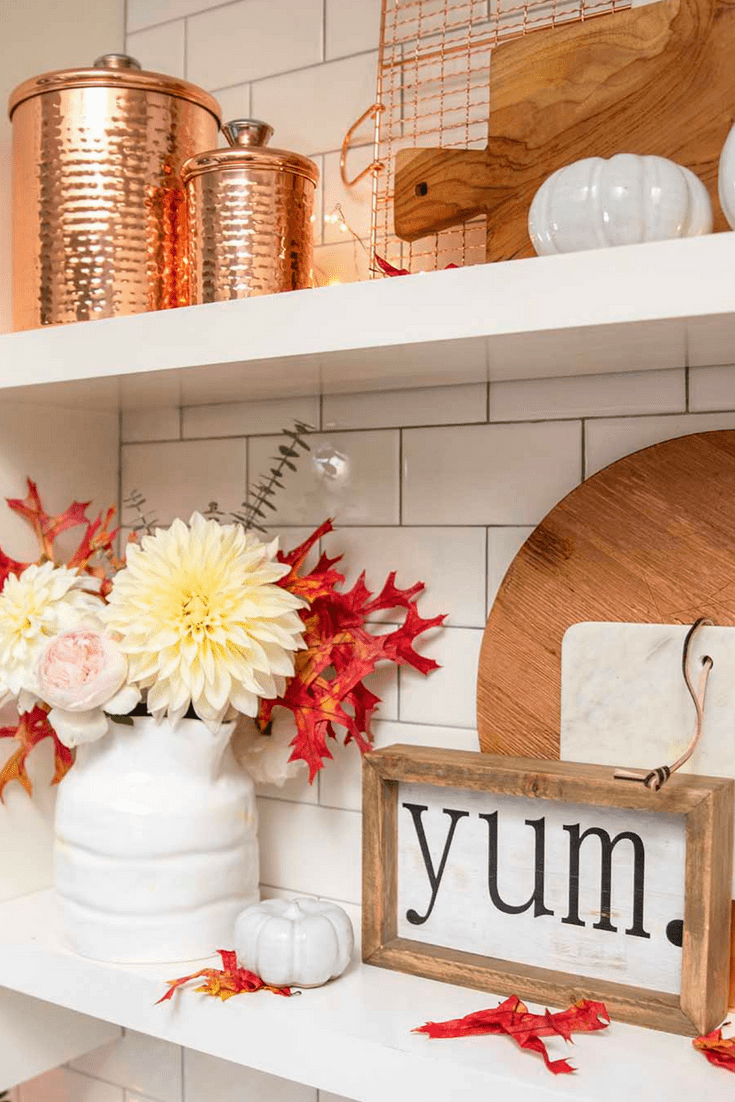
(626, 200)
(156, 847)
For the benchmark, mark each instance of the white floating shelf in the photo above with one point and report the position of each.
(353, 1037)
(638, 307)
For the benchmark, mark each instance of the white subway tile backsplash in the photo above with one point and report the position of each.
(438, 405)
(589, 396)
(352, 27)
(179, 478)
(249, 418)
(341, 781)
(145, 13)
(161, 49)
(139, 1062)
(445, 697)
(141, 425)
(354, 203)
(207, 1077)
(315, 850)
(448, 560)
(64, 1085)
(711, 388)
(607, 441)
(235, 104)
(312, 108)
(246, 41)
(351, 476)
(503, 544)
(488, 474)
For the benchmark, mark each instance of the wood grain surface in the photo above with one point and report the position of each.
(653, 80)
(650, 539)
(707, 804)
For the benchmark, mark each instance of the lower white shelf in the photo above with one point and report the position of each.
(352, 1037)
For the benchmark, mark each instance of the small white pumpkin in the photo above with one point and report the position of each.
(726, 179)
(294, 943)
(625, 200)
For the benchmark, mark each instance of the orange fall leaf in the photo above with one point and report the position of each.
(31, 728)
(223, 983)
(719, 1050)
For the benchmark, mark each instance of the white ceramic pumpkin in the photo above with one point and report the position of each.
(294, 942)
(625, 200)
(726, 179)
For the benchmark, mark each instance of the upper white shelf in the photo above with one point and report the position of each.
(637, 307)
(353, 1037)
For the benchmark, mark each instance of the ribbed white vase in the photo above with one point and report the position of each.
(156, 843)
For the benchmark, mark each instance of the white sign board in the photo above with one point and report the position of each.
(591, 890)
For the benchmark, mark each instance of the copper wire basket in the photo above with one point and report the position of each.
(433, 90)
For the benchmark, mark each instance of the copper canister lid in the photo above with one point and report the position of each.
(248, 139)
(113, 71)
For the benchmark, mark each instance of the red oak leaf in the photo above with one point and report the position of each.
(31, 728)
(719, 1050)
(96, 543)
(388, 269)
(514, 1019)
(47, 528)
(225, 982)
(327, 690)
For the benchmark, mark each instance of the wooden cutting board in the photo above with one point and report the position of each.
(650, 539)
(653, 80)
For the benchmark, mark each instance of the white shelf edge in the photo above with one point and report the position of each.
(353, 1037)
(643, 306)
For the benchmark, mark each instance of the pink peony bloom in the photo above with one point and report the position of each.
(82, 674)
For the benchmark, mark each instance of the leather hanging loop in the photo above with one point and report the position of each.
(655, 779)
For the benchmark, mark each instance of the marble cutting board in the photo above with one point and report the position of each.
(624, 701)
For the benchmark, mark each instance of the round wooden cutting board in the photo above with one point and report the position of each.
(650, 539)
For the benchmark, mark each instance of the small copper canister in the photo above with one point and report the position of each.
(250, 217)
(99, 215)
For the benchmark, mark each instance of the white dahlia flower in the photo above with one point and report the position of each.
(34, 607)
(198, 614)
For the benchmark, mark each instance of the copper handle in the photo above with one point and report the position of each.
(372, 112)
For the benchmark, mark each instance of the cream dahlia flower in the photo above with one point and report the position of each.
(198, 614)
(34, 607)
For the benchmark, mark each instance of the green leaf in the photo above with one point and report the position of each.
(124, 721)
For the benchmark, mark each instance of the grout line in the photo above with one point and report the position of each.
(400, 478)
(186, 48)
(584, 451)
(305, 803)
(567, 418)
(292, 72)
(686, 389)
(324, 31)
(332, 898)
(183, 1074)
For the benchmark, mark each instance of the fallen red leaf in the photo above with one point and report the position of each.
(389, 269)
(31, 728)
(225, 982)
(340, 651)
(514, 1019)
(719, 1050)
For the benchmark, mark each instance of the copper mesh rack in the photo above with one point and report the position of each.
(433, 90)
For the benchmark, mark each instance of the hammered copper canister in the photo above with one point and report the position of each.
(99, 218)
(250, 217)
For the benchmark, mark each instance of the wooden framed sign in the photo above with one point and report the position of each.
(552, 881)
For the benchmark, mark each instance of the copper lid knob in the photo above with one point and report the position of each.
(247, 133)
(116, 61)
